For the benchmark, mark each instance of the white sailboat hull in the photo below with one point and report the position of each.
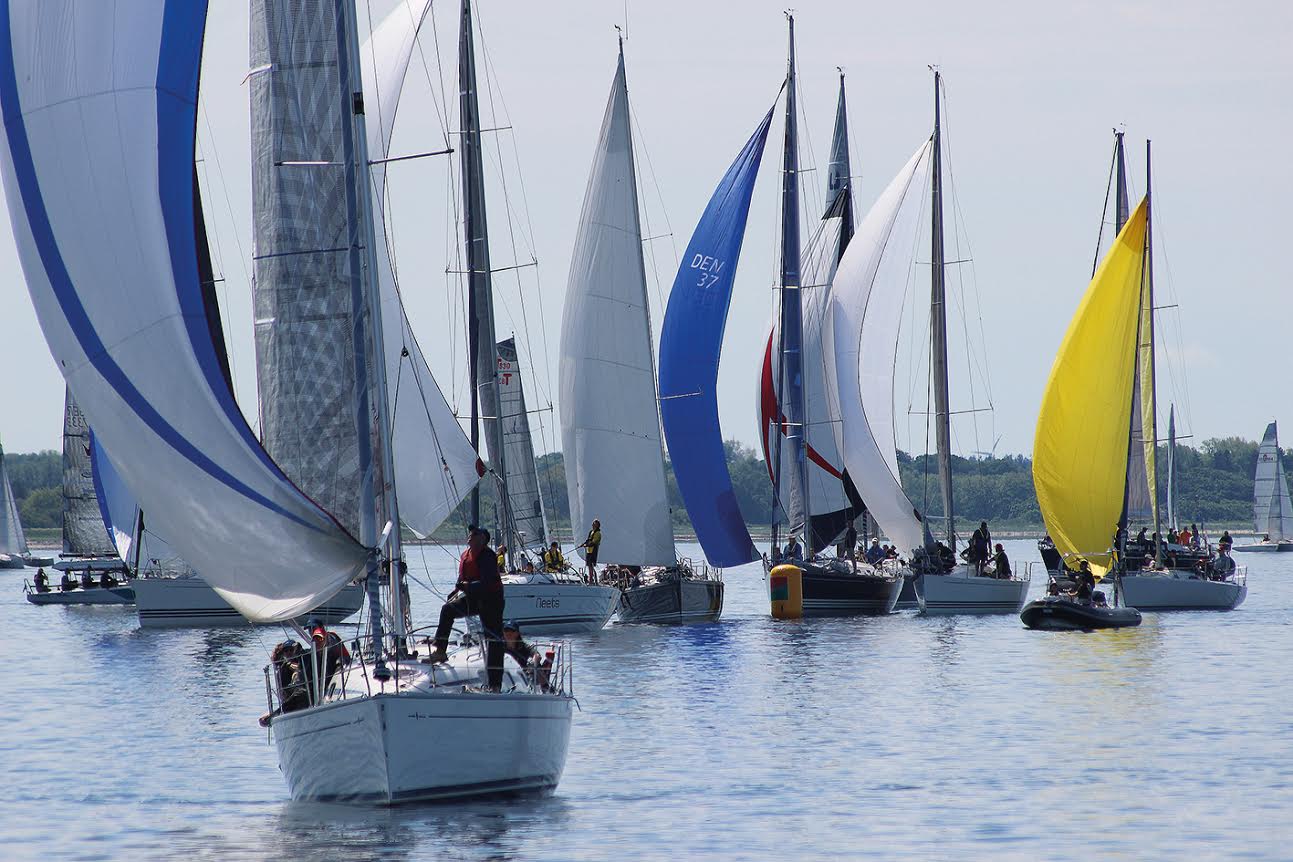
(541, 605)
(178, 602)
(416, 746)
(963, 592)
(1264, 547)
(1177, 590)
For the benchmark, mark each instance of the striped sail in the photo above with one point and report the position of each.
(98, 176)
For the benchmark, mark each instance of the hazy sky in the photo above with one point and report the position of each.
(1033, 90)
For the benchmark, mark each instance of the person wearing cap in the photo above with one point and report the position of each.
(553, 559)
(478, 593)
(793, 550)
(875, 554)
(502, 558)
(529, 658)
(327, 655)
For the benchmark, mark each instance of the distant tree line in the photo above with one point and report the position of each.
(1214, 486)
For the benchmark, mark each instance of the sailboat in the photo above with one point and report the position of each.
(539, 602)
(13, 542)
(610, 425)
(87, 545)
(132, 334)
(811, 486)
(1272, 510)
(1096, 439)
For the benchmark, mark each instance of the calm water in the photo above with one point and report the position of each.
(751, 738)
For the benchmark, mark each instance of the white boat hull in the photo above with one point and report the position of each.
(963, 592)
(1173, 591)
(178, 602)
(1264, 547)
(542, 606)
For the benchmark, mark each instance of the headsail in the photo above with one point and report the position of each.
(690, 342)
(1171, 466)
(525, 501)
(106, 235)
(12, 540)
(84, 533)
(1082, 442)
(435, 466)
(1272, 511)
(610, 428)
(865, 317)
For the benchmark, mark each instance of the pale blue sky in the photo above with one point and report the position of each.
(1033, 91)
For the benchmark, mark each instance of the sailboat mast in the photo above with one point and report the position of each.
(380, 502)
(1151, 422)
(790, 340)
(938, 324)
(482, 342)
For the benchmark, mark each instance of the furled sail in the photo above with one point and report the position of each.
(522, 478)
(862, 342)
(84, 532)
(1272, 511)
(829, 507)
(1171, 466)
(691, 339)
(1082, 442)
(12, 540)
(435, 466)
(610, 428)
(313, 359)
(98, 174)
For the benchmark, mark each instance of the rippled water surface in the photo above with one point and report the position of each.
(901, 737)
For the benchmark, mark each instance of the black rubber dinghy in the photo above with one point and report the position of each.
(1060, 614)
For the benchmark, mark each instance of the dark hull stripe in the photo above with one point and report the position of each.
(449, 792)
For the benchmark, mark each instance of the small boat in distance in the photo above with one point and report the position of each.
(1272, 510)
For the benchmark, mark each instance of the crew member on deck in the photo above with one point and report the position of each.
(590, 546)
(479, 592)
(553, 559)
(67, 584)
(1001, 563)
(1225, 542)
(793, 550)
(1141, 538)
(875, 554)
(529, 658)
(502, 559)
(42, 581)
(87, 580)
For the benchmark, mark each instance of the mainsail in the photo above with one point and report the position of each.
(312, 355)
(1082, 442)
(84, 532)
(521, 484)
(1272, 510)
(691, 339)
(610, 427)
(12, 540)
(106, 234)
(865, 318)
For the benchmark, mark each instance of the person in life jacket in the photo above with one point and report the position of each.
(321, 661)
(591, 546)
(502, 559)
(553, 559)
(478, 593)
(534, 663)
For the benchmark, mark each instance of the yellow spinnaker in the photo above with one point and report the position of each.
(1084, 427)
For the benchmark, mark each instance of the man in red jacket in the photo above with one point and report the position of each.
(479, 592)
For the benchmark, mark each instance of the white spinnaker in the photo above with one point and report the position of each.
(99, 106)
(610, 429)
(825, 488)
(866, 313)
(435, 466)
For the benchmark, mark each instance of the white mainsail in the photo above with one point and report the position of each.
(866, 313)
(12, 540)
(1272, 510)
(435, 466)
(98, 173)
(610, 427)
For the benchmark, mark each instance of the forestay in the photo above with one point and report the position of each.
(1082, 442)
(12, 540)
(691, 340)
(98, 173)
(435, 466)
(610, 428)
(84, 531)
(865, 316)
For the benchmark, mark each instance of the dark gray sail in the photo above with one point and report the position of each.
(525, 501)
(938, 324)
(1139, 505)
(84, 533)
(310, 296)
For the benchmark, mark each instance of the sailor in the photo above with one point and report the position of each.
(944, 556)
(87, 580)
(327, 656)
(479, 592)
(42, 581)
(1001, 563)
(590, 546)
(793, 550)
(553, 559)
(850, 541)
(530, 659)
(67, 584)
(1085, 582)
(980, 543)
(875, 554)
(1194, 535)
(528, 566)
(502, 558)
(1141, 538)
(106, 580)
(1225, 542)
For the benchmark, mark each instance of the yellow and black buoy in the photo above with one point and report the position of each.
(786, 588)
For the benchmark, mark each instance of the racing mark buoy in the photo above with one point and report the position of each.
(786, 589)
